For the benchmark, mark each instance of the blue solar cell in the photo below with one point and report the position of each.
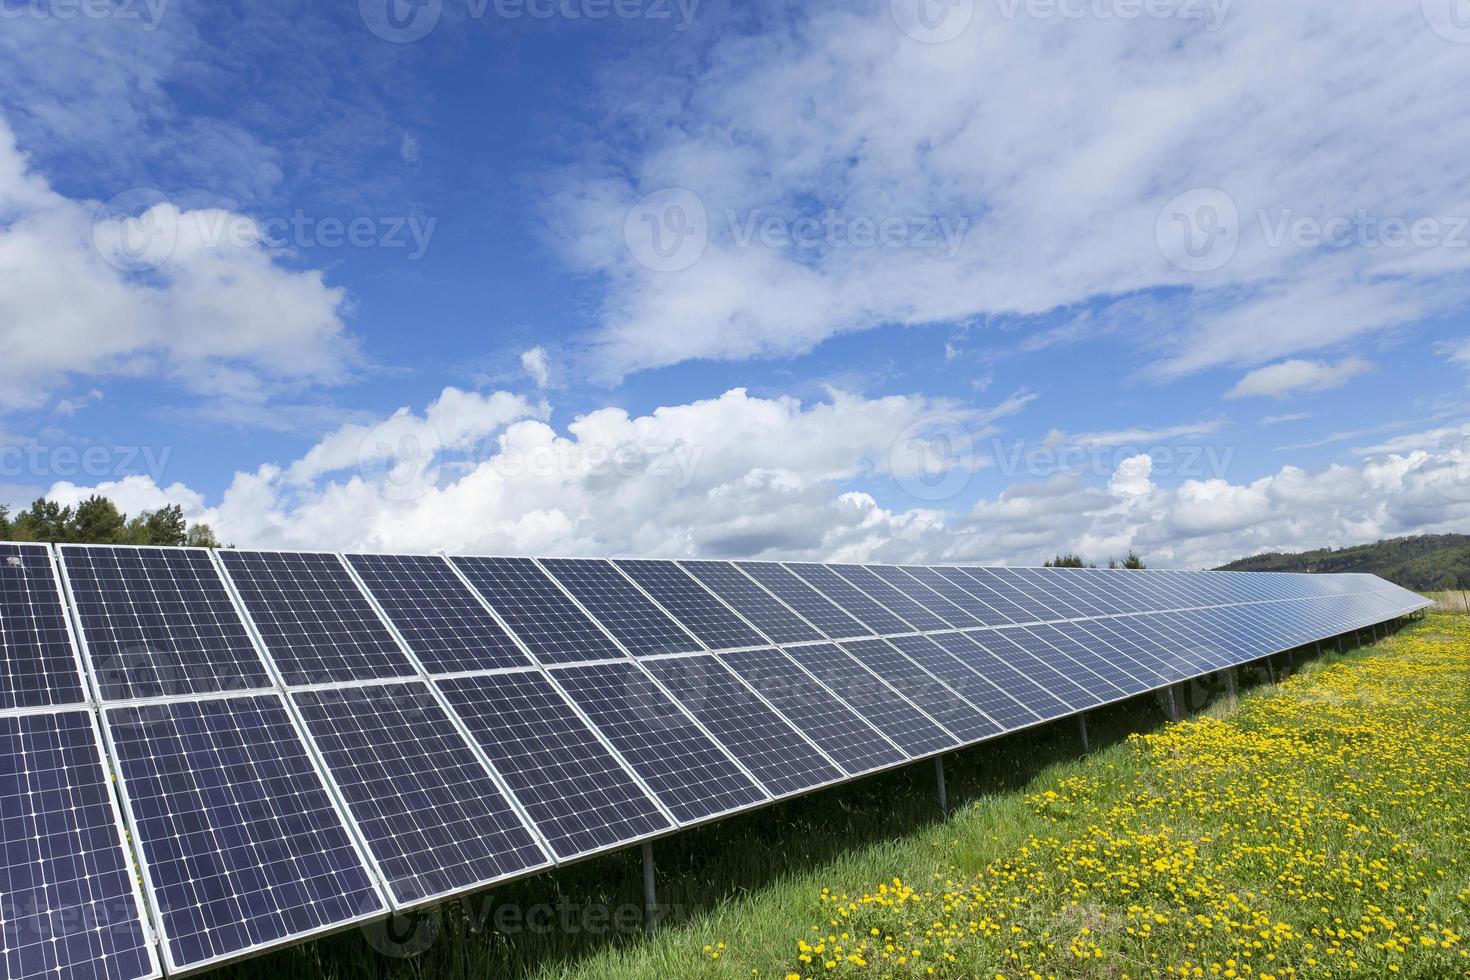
(851, 599)
(1130, 663)
(962, 589)
(70, 907)
(918, 616)
(680, 763)
(841, 732)
(694, 606)
(159, 622)
(984, 694)
(761, 739)
(616, 603)
(757, 605)
(445, 625)
(242, 847)
(537, 611)
(951, 615)
(894, 716)
(1101, 660)
(1124, 633)
(963, 610)
(973, 649)
(1055, 592)
(1059, 673)
(928, 693)
(999, 588)
(316, 624)
(574, 790)
(808, 602)
(428, 810)
(38, 664)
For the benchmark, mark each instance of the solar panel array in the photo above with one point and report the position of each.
(306, 741)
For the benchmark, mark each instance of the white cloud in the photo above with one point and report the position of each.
(1060, 140)
(1296, 376)
(740, 475)
(216, 314)
(1284, 418)
(1137, 436)
(535, 364)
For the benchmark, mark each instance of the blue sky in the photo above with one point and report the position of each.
(977, 280)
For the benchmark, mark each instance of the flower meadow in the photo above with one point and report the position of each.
(1319, 829)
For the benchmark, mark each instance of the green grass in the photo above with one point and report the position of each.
(754, 882)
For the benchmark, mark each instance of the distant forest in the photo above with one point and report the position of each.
(1426, 562)
(97, 520)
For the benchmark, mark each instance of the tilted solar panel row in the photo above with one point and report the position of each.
(305, 741)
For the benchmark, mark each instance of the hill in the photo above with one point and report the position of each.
(1423, 562)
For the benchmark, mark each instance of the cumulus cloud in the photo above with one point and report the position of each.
(1297, 376)
(740, 475)
(534, 363)
(194, 296)
(1051, 161)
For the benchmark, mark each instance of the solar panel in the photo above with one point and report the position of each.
(927, 692)
(890, 713)
(850, 598)
(694, 606)
(70, 903)
(430, 813)
(1057, 672)
(616, 603)
(971, 649)
(969, 683)
(926, 594)
(38, 663)
(841, 732)
(159, 622)
(688, 771)
(918, 616)
(807, 601)
(765, 744)
(950, 587)
(1009, 603)
(1130, 663)
(241, 846)
(1098, 659)
(758, 606)
(537, 610)
(440, 618)
(576, 792)
(1053, 593)
(315, 622)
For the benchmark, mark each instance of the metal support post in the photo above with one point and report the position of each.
(650, 900)
(1082, 730)
(939, 784)
(1270, 671)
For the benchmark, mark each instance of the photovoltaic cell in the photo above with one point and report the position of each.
(242, 845)
(764, 743)
(427, 809)
(691, 776)
(1010, 604)
(807, 601)
(537, 611)
(927, 594)
(1095, 657)
(317, 625)
(441, 619)
(38, 666)
(905, 607)
(966, 681)
(895, 717)
(751, 601)
(1053, 670)
(950, 587)
(159, 622)
(694, 606)
(616, 603)
(66, 883)
(574, 790)
(841, 732)
(932, 696)
(850, 598)
(971, 649)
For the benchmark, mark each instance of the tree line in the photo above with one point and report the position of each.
(1073, 560)
(98, 520)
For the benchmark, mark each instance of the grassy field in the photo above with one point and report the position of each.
(1456, 602)
(1319, 828)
